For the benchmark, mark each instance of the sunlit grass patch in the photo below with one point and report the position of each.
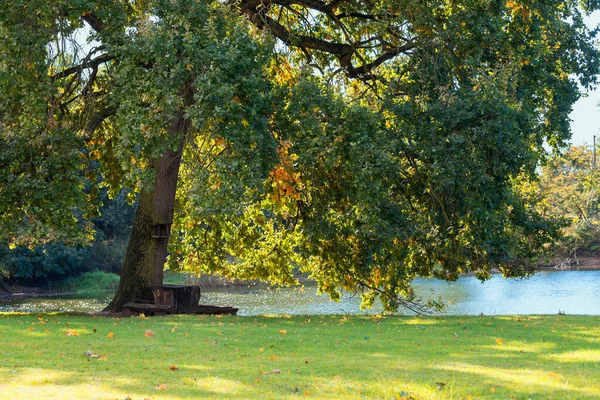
(584, 355)
(322, 357)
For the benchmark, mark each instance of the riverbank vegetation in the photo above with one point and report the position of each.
(319, 357)
(569, 187)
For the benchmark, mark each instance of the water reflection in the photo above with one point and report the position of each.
(573, 292)
(65, 303)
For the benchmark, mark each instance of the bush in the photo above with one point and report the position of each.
(56, 262)
(43, 263)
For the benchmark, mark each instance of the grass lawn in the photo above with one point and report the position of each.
(318, 357)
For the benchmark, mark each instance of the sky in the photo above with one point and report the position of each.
(585, 118)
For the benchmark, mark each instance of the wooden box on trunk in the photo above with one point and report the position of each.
(180, 298)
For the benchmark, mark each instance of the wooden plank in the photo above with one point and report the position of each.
(130, 309)
(212, 310)
(148, 308)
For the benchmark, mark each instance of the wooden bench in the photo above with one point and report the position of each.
(175, 299)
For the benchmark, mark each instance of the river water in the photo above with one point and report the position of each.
(571, 292)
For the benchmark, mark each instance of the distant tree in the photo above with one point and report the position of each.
(378, 141)
(570, 186)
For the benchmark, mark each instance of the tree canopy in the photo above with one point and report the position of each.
(364, 142)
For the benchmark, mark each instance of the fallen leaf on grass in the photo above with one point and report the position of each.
(149, 333)
(31, 328)
(71, 332)
(160, 387)
(554, 375)
(492, 390)
(273, 358)
(110, 335)
(173, 368)
(499, 341)
(283, 332)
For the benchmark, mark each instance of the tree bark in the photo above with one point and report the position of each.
(145, 256)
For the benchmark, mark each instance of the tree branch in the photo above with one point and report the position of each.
(412, 305)
(256, 12)
(98, 118)
(92, 19)
(86, 63)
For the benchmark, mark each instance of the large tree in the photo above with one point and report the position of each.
(374, 142)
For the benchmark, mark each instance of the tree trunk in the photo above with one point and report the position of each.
(147, 248)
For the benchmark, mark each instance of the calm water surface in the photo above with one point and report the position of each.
(572, 292)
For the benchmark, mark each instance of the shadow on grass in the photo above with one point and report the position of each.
(322, 357)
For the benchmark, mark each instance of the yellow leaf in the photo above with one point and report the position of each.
(492, 390)
(110, 335)
(160, 387)
(72, 332)
(499, 341)
(272, 358)
(283, 332)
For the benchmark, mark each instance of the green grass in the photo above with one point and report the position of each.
(91, 282)
(323, 357)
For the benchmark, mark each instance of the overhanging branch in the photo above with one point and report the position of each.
(257, 12)
(92, 19)
(86, 63)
